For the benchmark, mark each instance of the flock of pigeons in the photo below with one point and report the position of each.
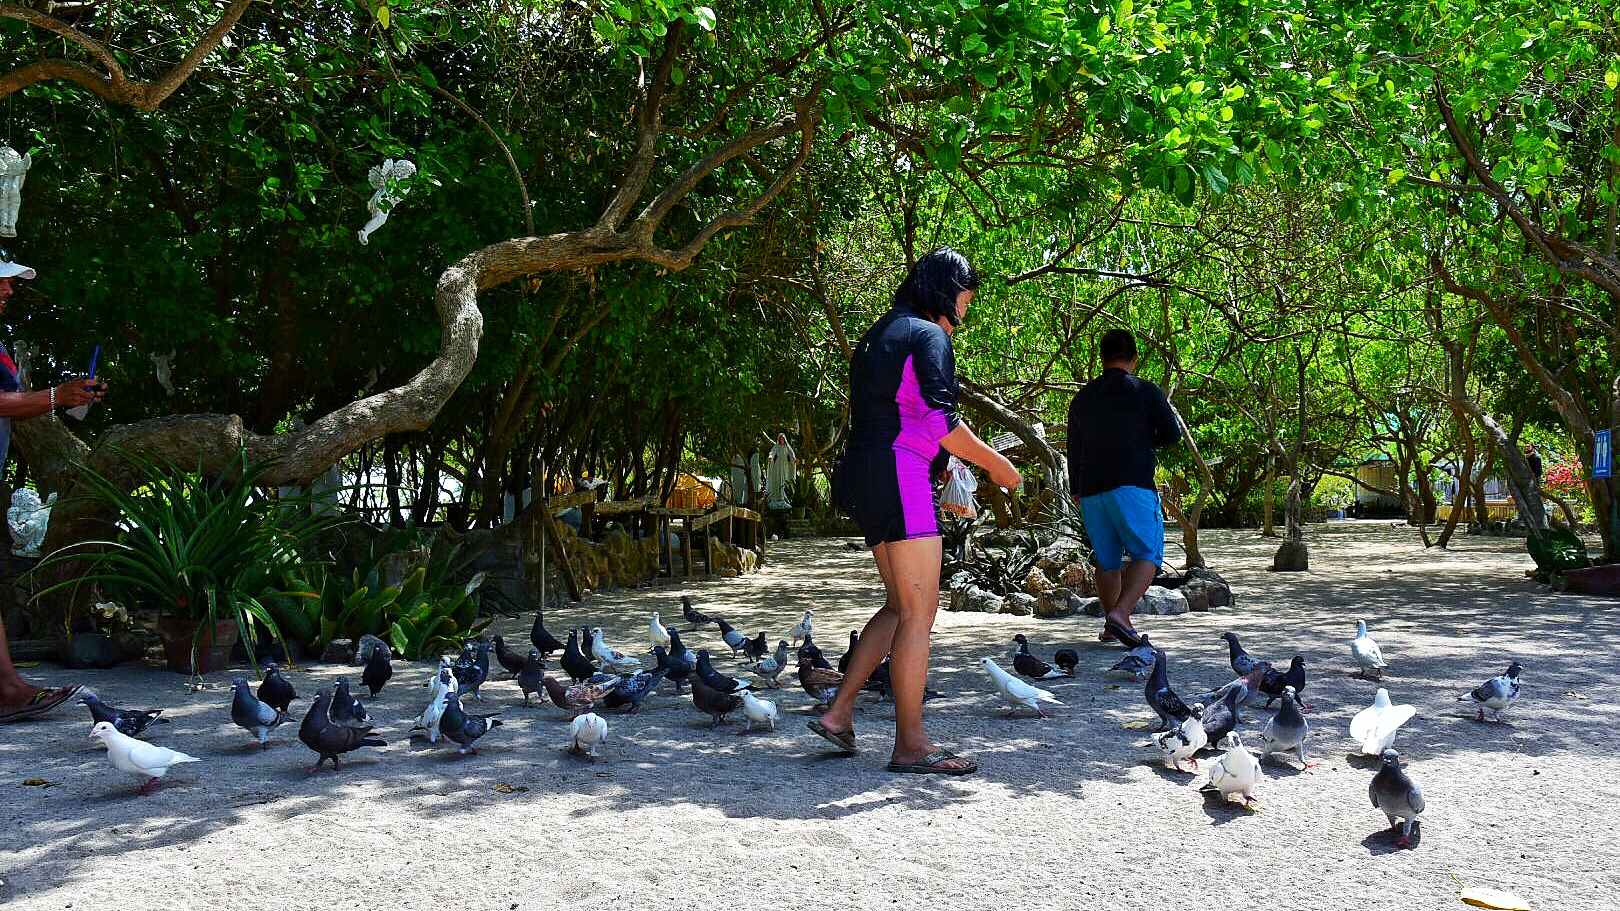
(601, 678)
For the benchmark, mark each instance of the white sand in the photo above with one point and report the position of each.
(1073, 812)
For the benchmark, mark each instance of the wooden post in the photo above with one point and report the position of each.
(548, 531)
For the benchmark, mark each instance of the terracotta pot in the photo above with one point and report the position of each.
(180, 634)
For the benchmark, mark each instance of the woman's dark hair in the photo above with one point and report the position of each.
(933, 283)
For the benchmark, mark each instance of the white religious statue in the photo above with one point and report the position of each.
(739, 479)
(13, 168)
(28, 518)
(780, 470)
(389, 180)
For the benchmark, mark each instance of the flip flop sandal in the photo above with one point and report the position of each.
(43, 702)
(1124, 634)
(844, 740)
(934, 764)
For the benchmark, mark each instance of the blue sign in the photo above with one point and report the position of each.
(1602, 455)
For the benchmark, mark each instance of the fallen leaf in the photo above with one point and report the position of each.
(27, 664)
(505, 788)
(1134, 726)
(38, 783)
(1493, 898)
(1577, 695)
(1113, 686)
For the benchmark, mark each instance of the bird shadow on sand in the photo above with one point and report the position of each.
(1220, 810)
(1382, 841)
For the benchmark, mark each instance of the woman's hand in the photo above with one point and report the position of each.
(1005, 475)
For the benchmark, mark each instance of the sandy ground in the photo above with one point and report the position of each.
(1071, 812)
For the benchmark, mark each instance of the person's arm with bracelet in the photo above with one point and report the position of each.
(32, 404)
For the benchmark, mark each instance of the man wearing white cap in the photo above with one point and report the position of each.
(19, 698)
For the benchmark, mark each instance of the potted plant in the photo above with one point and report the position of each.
(204, 552)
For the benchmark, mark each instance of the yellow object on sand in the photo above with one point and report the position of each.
(1493, 898)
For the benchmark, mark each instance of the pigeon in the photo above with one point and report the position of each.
(1242, 662)
(1374, 727)
(137, 757)
(843, 660)
(463, 728)
(541, 638)
(1366, 652)
(346, 709)
(1286, 731)
(274, 690)
(510, 661)
(1066, 658)
(1398, 796)
(379, 668)
(809, 647)
(1160, 697)
(881, 683)
(328, 739)
(712, 678)
(820, 682)
(579, 696)
(1016, 691)
(771, 667)
(252, 715)
(1235, 771)
(443, 682)
(631, 689)
(1273, 683)
(1138, 662)
(757, 647)
(732, 638)
(682, 663)
(801, 630)
(717, 703)
(1185, 740)
(1496, 693)
(612, 660)
(1031, 666)
(574, 663)
(528, 676)
(692, 615)
(657, 633)
(757, 711)
(472, 668)
(128, 722)
(1222, 717)
(588, 732)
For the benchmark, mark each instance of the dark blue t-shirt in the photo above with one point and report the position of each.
(1116, 421)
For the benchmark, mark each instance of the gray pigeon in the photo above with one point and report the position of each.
(1242, 662)
(1397, 796)
(347, 710)
(1286, 731)
(463, 728)
(529, 676)
(329, 740)
(1496, 693)
(251, 715)
(1138, 662)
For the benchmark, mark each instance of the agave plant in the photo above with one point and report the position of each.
(197, 548)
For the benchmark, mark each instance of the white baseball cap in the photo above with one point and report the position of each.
(10, 268)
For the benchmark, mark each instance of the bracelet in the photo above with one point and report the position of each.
(53, 398)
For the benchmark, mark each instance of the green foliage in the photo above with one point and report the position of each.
(197, 548)
(430, 611)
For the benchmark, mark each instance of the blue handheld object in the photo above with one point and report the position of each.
(94, 357)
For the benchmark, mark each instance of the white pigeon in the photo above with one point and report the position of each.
(589, 731)
(1185, 740)
(1374, 727)
(657, 632)
(1366, 651)
(757, 711)
(802, 629)
(440, 685)
(1235, 771)
(143, 760)
(1016, 691)
(612, 660)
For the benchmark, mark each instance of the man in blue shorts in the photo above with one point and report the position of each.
(1116, 421)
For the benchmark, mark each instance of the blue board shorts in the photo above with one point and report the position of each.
(1125, 520)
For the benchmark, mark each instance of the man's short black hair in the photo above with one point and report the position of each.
(1118, 345)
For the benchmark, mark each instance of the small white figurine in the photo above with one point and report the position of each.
(28, 518)
(780, 473)
(13, 168)
(389, 179)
